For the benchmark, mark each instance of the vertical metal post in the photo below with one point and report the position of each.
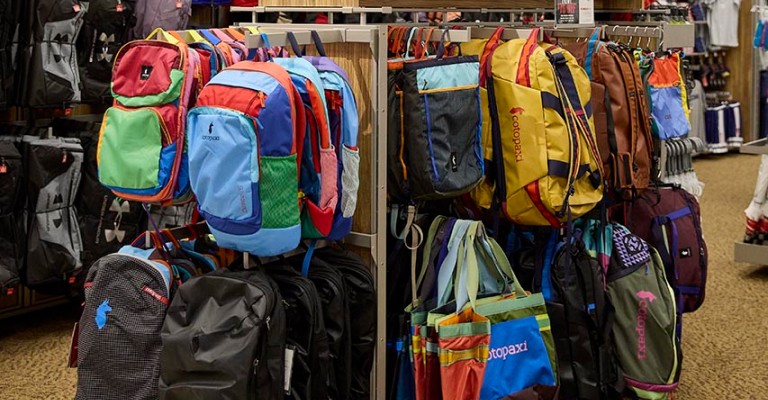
(379, 202)
(754, 116)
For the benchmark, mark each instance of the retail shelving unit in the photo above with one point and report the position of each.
(747, 252)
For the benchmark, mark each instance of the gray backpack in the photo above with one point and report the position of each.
(170, 15)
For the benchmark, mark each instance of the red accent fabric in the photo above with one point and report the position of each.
(312, 127)
(241, 99)
(463, 380)
(245, 3)
(535, 194)
(485, 58)
(137, 55)
(157, 296)
(322, 219)
(434, 387)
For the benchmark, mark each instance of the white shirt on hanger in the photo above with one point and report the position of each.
(723, 21)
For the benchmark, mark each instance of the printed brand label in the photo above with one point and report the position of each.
(516, 112)
(646, 298)
(157, 296)
(506, 351)
(146, 71)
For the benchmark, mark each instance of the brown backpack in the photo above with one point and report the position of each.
(622, 117)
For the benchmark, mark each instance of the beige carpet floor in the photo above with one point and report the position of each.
(725, 342)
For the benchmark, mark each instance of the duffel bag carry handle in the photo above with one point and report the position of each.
(446, 278)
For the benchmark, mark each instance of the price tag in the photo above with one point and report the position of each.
(178, 4)
(120, 7)
(76, 7)
(3, 169)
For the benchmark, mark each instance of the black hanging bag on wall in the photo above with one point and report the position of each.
(12, 237)
(108, 26)
(306, 343)
(361, 293)
(334, 297)
(224, 338)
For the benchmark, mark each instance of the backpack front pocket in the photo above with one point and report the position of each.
(224, 166)
(453, 126)
(147, 74)
(134, 151)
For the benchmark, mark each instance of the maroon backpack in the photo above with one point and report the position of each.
(668, 218)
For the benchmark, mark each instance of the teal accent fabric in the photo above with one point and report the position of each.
(448, 76)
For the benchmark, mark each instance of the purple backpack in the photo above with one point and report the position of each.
(170, 15)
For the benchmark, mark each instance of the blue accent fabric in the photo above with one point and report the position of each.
(275, 121)
(224, 164)
(210, 37)
(308, 258)
(253, 80)
(244, 226)
(546, 270)
(146, 254)
(182, 185)
(101, 314)
(264, 243)
(429, 139)
(518, 359)
(667, 110)
(167, 157)
(479, 147)
(592, 47)
(305, 69)
(448, 76)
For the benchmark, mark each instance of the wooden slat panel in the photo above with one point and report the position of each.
(469, 4)
(618, 4)
(739, 62)
(309, 3)
(355, 59)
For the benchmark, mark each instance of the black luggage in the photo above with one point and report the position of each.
(224, 338)
(8, 25)
(126, 297)
(306, 339)
(361, 293)
(12, 237)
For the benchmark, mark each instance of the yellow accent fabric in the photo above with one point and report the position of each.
(448, 357)
(162, 35)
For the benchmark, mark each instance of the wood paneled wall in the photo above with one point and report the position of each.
(739, 62)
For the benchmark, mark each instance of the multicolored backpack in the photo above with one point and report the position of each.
(544, 166)
(646, 344)
(141, 153)
(318, 173)
(344, 124)
(244, 138)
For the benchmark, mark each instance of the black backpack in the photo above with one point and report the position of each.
(333, 295)
(53, 174)
(108, 26)
(581, 318)
(224, 338)
(8, 25)
(306, 340)
(126, 298)
(12, 237)
(361, 293)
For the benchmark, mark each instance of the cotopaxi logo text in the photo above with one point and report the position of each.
(505, 351)
(646, 298)
(516, 112)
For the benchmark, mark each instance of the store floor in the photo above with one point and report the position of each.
(725, 342)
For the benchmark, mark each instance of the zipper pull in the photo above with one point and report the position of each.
(267, 321)
(64, 157)
(255, 365)
(425, 85)
(261, 99)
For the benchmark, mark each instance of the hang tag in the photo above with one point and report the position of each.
(72, 361)
(289, 352)
(10, 291)
(3, 168)
(120, 8)
(76, 7)
(178, 4)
